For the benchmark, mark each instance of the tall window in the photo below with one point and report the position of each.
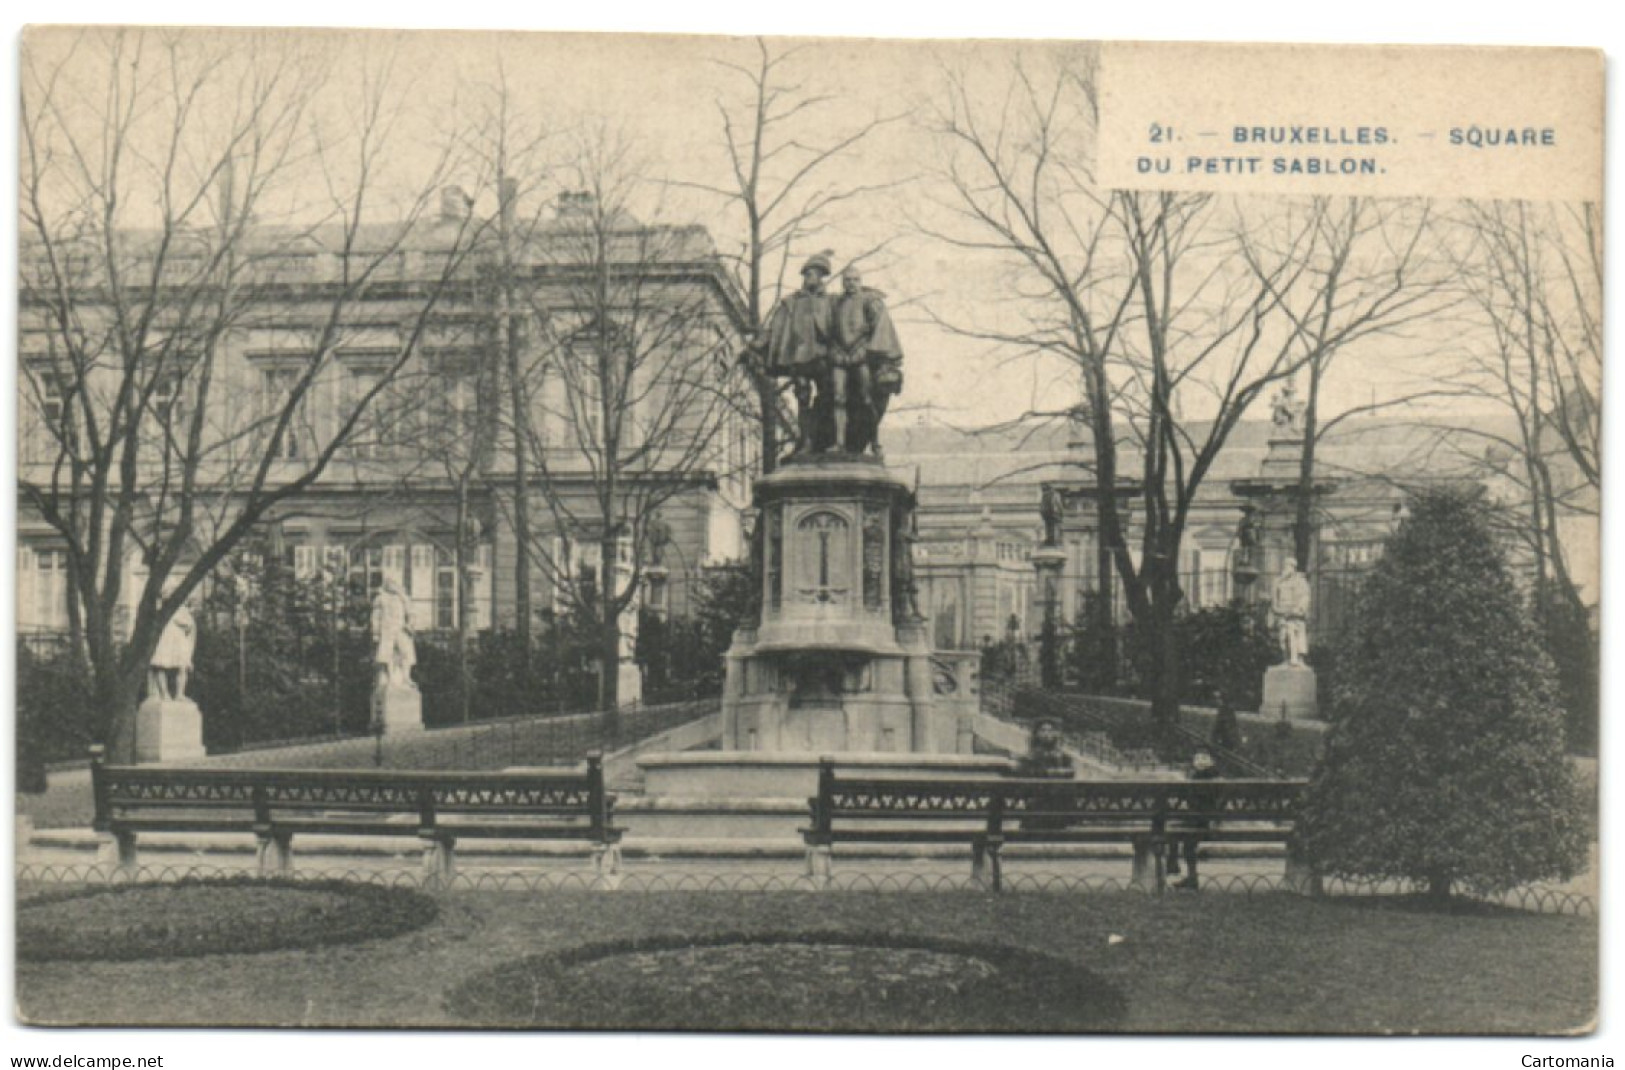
(379, 430)
(367, 440)
(276, 386)
(366, 569)
(168, 409)
(52, 429)
(454, 413)
(445, 588)
(51, 590)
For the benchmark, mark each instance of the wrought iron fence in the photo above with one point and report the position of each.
(1538, 899)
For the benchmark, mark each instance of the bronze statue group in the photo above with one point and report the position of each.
(841, 355)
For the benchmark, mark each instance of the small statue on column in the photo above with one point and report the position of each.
(1287, 411)
(1249, 537)
(1052, 508)
(905, 593)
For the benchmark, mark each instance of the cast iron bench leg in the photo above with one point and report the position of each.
(985, 868)
(1148, 864)
(117, 850)
(439, 860)
(274, 853)
(821, 864)
(606, 865)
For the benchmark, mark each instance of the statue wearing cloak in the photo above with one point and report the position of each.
(796, 344)
(867, 364)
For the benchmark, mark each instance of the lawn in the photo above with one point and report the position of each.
(1182, 963)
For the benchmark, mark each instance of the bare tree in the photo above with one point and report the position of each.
(449, 396)
(509, 147)
(637, 381)
(152, 164)
(1373, 276)
(1144, 294)
(779, 183)
(1533, 278)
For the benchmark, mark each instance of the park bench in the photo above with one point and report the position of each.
(438, 808)
(986, 813)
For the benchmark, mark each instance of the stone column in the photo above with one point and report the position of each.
(1049, 561)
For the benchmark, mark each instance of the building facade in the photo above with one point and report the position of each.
(485, 363)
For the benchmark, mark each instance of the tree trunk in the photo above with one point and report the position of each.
(609, 644)
(460, 563)
(1105, 618)
(520, 417)
(117, 694)
(1438, 893)
(1303, 520)
(1163, 661)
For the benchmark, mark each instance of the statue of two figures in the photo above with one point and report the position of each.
(841, 355)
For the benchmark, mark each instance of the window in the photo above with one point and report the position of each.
(1192, 584)
(457, 409)
(276, 387)
(52, 429)
(376, 433)
(290, 266)
(365, 440)
(168, 406)
(51, 590)
(445, 588)
(366, 572)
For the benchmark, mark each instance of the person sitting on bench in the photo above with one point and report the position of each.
(1202, 767)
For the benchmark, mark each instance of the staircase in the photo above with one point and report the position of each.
(1083, 739)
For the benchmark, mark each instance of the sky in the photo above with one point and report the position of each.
(661, 97)
(951, 374)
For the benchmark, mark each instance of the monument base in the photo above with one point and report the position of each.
(724, 775)
(1292, 689)
(168, 730)
(398, 709)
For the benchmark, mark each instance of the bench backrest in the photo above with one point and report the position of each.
(265, 793)
(993, 800)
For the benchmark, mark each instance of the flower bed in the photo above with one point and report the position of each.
(209, 916)
(852, 982)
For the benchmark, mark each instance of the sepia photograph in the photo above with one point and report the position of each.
(651, 533)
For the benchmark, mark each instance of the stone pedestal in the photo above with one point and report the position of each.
(398, 708)
(168, 730)
(1292, 688)
(836, 663)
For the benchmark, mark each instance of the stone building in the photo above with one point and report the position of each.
(435, 453)
(980, 521)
